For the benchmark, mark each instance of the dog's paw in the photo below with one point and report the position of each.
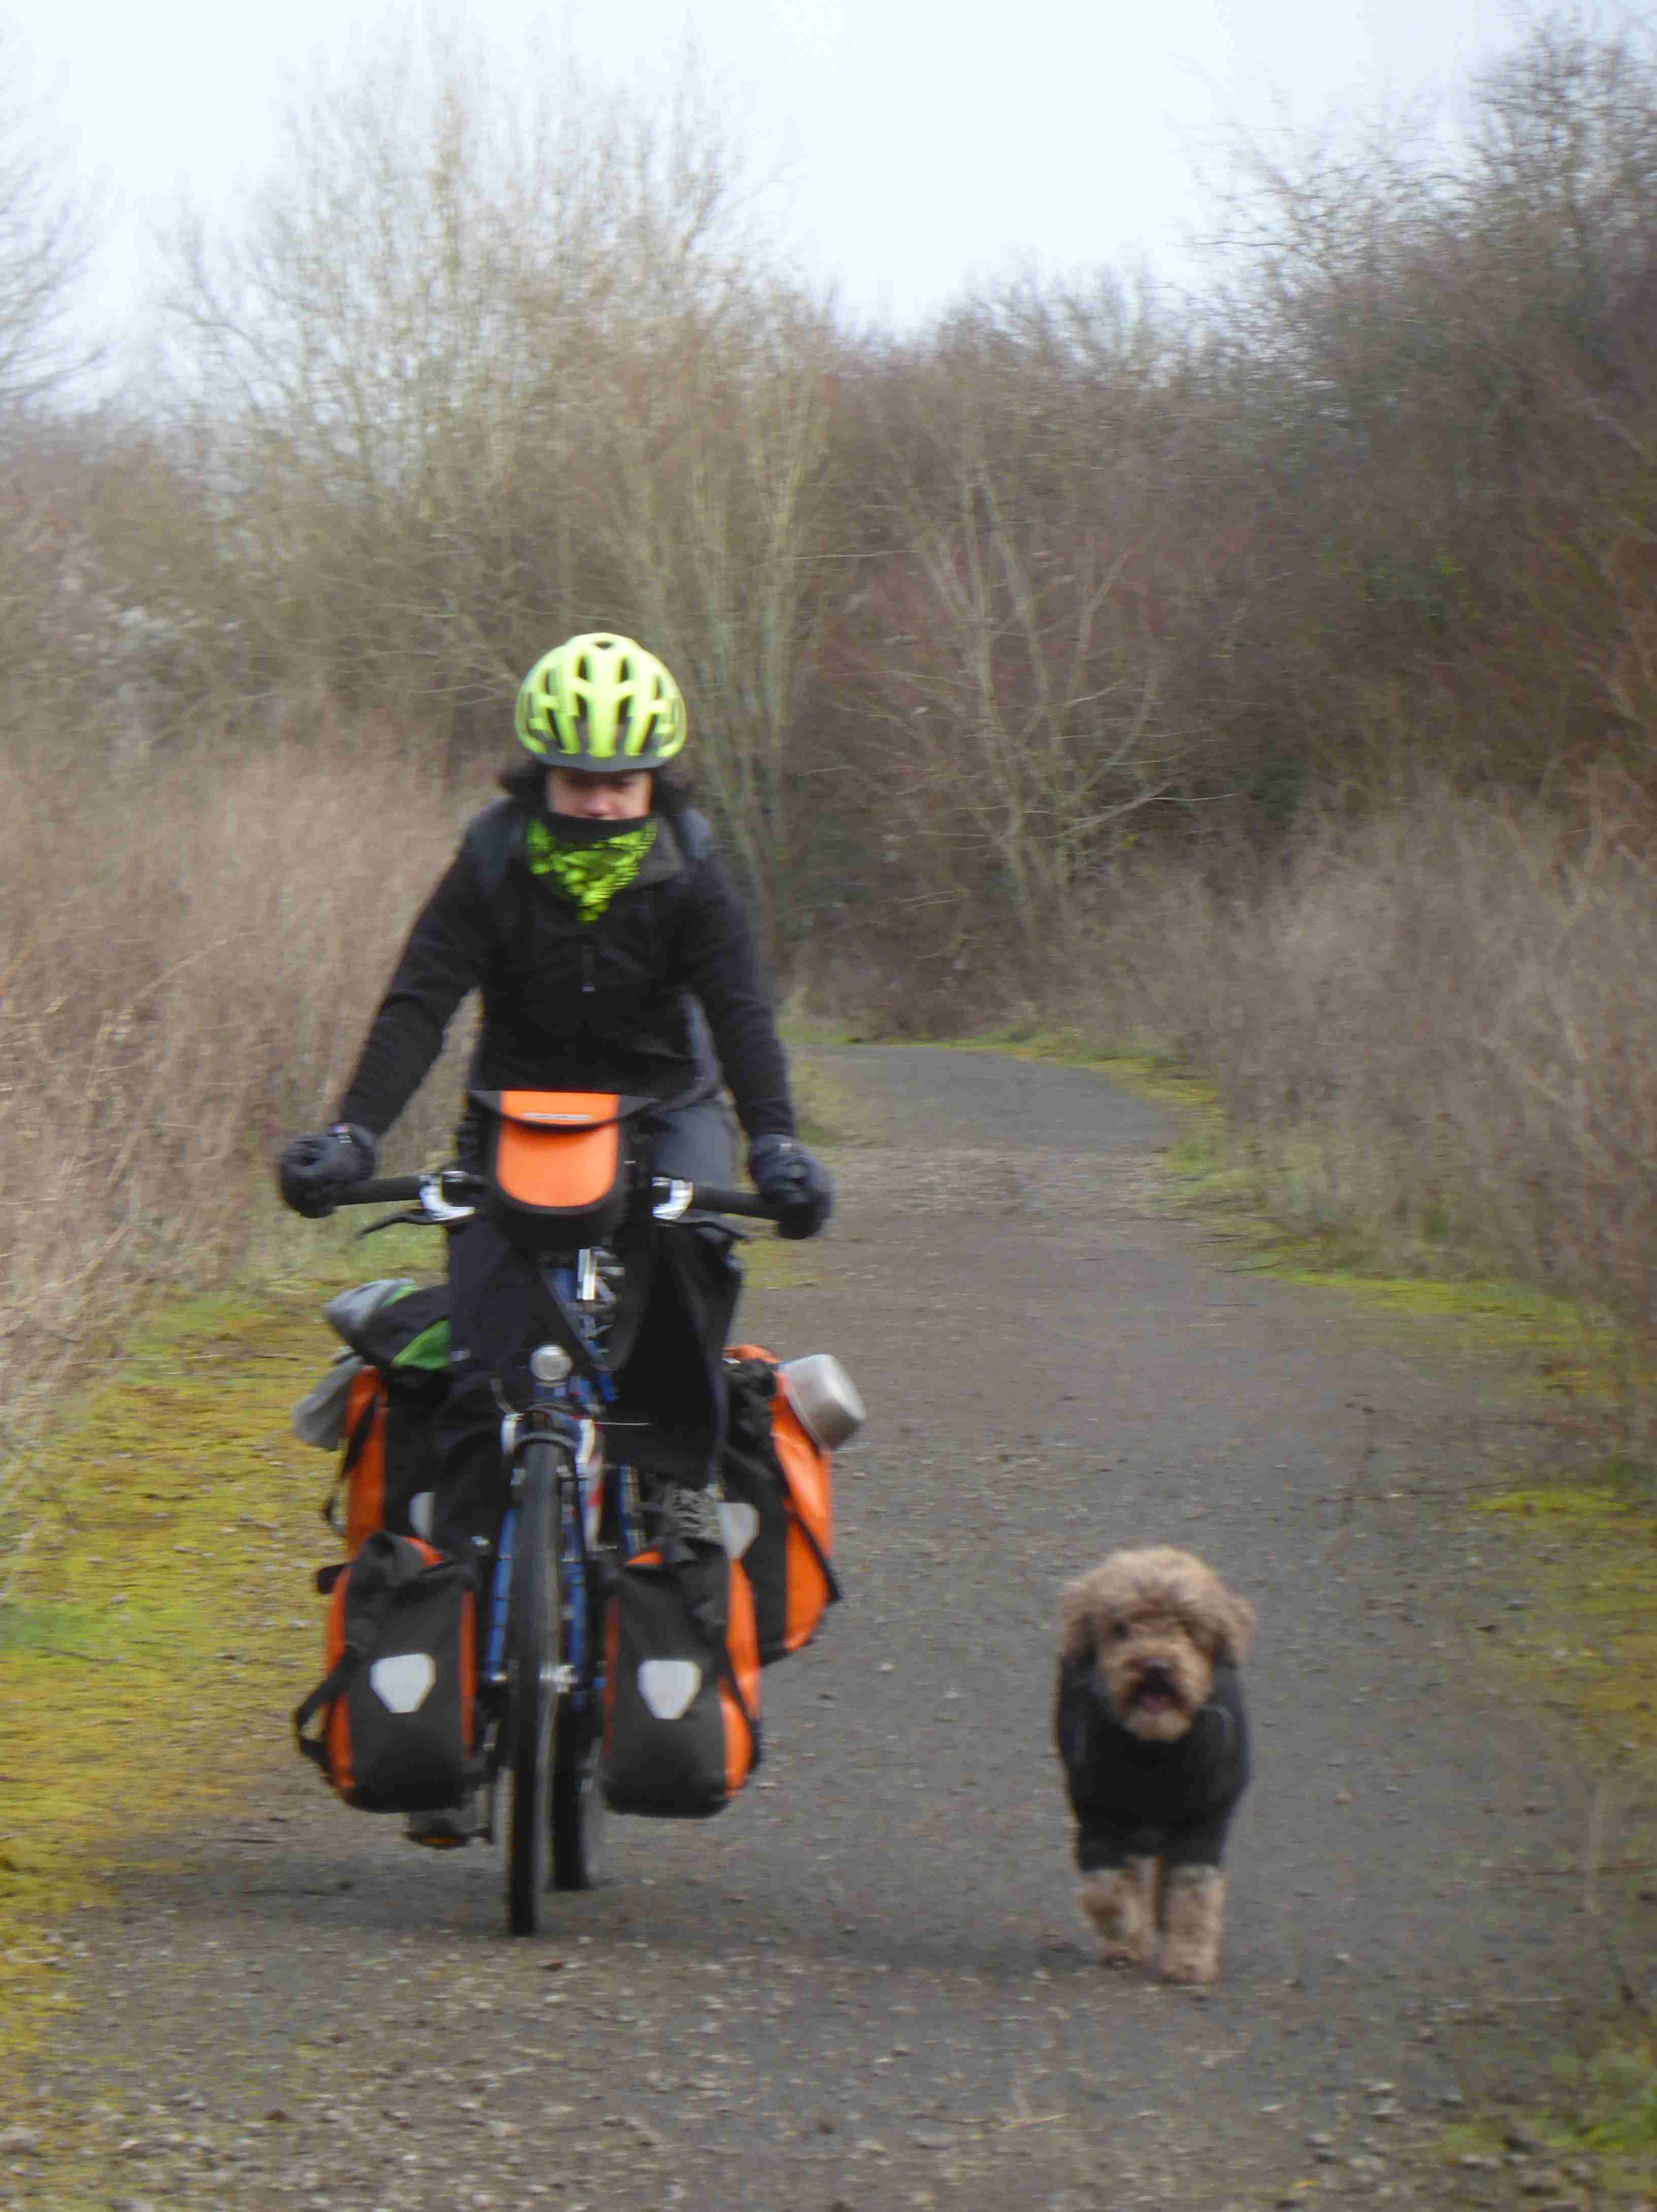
(1190, 1969)
(1117, 1906)
(1193, 1918)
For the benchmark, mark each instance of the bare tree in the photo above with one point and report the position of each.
(1019, 680)
(48, 232)
(402, 354)
(718, 462)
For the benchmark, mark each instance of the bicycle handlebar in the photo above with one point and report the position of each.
(383, 1190)
(457, 1186)
(707, 1198)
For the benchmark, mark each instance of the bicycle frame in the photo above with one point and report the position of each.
(565, 1412)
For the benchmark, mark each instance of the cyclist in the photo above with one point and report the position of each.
(588, 907)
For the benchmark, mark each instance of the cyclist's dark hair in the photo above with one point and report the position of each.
(526, 781)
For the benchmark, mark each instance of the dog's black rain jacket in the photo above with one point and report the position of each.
(1137, 1799)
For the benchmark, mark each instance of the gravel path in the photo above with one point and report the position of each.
(863, 1987)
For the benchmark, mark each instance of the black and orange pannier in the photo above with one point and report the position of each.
(398, 1707)
(560, 1163)
(682, 1683)
(376, 1405)
(775, 1469)
(361, 1485)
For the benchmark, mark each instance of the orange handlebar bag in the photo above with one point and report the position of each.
(559, 1164)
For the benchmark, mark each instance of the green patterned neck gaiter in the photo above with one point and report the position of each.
(589, 873)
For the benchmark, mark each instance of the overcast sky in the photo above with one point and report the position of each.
(929, 141)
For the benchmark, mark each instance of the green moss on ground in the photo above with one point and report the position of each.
(1584, 1554)
(1214, 1178)
(827, 1114)
(161, 1625)
(1583, 1652)
(1147, 1074)
(1597, 2126)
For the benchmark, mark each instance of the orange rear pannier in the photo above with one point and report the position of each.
(773, 1469)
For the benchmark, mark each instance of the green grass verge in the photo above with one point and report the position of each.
(824, 1106)
(1597, 2124)
(162, 1625)
(1219, 1178)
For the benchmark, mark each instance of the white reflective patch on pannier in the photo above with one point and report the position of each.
(668, 1687)
(404, 1684)
(420, 1507)
(739, 1524)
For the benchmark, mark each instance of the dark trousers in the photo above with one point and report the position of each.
(680, 1298)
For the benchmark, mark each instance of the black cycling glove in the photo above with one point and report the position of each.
(786, 1177)
(312, 1171)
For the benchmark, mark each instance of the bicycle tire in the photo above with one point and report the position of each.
(577, 1802)
(532, 1632)
(578, 1805)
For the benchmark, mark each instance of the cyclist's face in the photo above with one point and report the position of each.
(599, 798)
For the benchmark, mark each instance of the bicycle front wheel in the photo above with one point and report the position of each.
(578, 1805)
(532, 1652)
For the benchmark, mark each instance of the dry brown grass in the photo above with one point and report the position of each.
(188, 957)
(1438, 1029)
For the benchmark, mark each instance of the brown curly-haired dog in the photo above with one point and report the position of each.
(1155, 1745)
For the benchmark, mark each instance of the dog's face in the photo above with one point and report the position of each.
(1154, 1625)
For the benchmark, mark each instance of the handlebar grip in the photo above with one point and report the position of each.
(382, 1190)
(747, 1203)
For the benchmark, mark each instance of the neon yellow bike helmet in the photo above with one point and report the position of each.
(600, 703)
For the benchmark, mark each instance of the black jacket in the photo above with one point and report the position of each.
(600, 1005)
(1133, 1799)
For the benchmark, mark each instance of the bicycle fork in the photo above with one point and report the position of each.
(578, 1509)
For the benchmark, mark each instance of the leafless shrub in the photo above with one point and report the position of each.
(1438, 374)
(1437, 1028)
(403, 361)
(47, 232)
(1010, 649)
(111, 622)
(189, 956)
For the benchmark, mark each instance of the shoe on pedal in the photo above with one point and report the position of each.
(449, 1826)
